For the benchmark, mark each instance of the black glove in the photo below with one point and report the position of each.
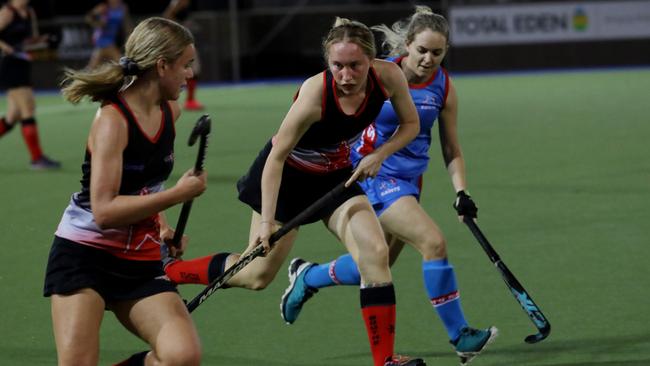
(464, 205)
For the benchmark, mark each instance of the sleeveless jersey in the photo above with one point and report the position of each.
(146, 164)
(325, 147)
(107, 35)
(17, 31)
(412, 160)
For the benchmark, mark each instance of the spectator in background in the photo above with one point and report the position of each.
(18, 35)
(112, 24)
(179, 10)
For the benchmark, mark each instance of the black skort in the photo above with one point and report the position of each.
(298, 189)
(72, 266)
(15, 73)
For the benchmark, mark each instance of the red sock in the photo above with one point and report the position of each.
(191, 87)
(30, 135)
(4, 126)
(200, 270)
(189, 271)
(378, 309)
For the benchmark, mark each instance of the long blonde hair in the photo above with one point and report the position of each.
(350, 31)
(153, 39)
(403, 32)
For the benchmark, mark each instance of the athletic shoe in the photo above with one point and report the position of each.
(298, 292)
(44, 163)
(398, 360)
(193, 105)
(472, 341)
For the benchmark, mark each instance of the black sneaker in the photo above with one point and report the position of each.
(44, 163)
(398, 360)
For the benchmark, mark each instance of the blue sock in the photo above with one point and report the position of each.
(341, 271)
(440, 283)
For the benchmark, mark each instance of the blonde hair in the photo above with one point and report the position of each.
(153, 39)
(403, 32)
(346, 30)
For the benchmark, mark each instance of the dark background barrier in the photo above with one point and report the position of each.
(250, 40)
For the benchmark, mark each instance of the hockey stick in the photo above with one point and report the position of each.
(520, 293)
(200, 131)
(259, 250)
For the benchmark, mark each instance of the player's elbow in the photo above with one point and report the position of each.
(104, 219)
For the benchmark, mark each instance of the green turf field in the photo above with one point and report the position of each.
(558, 163)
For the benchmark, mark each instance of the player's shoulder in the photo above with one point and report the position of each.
(312, 87)
(110, 113)
(387, 71)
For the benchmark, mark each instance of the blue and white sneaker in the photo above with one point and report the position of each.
(472, 341)
(298, 292)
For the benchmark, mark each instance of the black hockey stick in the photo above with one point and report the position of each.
(520, 293)
(259, 250)
(200, 131)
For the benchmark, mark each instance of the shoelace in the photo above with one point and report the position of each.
(470, 331)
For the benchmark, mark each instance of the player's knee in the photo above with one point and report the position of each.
(75, 355)
(373, 256)
(433, 246)
(260, 282)
(186, 354)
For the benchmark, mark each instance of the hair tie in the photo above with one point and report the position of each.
(129, 67)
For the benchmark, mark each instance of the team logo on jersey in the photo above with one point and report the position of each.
(430, 102)
(388, 186)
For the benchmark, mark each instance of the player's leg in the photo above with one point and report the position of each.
(355, 224)
(162, 320)
(23, 99)
(76, 319)
(8, 121)
(201, 270)
(406, 220)
(259, 273)
(306, 278)
(191, 103)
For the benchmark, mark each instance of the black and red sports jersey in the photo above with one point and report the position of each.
(326, 144)
(146, 164)
(18, 30)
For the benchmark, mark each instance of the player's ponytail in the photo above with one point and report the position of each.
(153, 39)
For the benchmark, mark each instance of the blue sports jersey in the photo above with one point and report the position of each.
(113, 22)
(412, 160)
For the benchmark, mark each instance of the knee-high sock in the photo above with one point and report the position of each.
(341, 271)
(5, 126)
(378, 309)
(440, 283)
(30, 135)
(191, 88)
(199, 270)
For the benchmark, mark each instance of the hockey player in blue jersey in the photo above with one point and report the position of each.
(418, 45)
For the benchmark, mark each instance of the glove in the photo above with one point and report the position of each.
(464, 205)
